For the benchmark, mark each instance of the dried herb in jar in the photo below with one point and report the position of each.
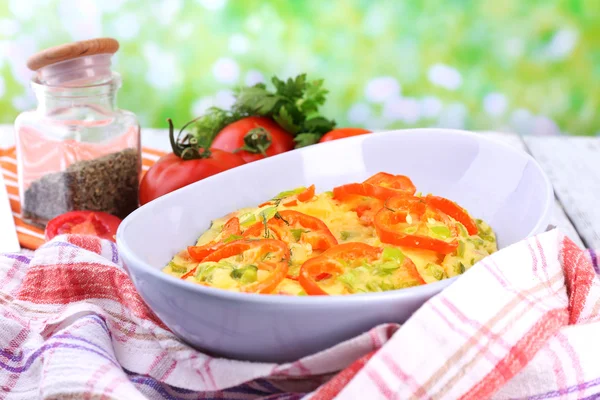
(108, 183)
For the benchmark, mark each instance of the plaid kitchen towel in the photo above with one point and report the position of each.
(30, 236)
(522, 323)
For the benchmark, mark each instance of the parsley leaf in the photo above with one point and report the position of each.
(306, 139)
(314, 97)
(286, 121)
(206, 128)
(318, 125)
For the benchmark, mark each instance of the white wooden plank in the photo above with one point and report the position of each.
(573, 166)
(559, 217)
(156, 139)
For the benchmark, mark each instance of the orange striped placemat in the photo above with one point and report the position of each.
(32, 237)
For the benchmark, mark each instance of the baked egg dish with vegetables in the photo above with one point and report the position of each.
(373, 236)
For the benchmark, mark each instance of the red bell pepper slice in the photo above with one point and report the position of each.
(277, 250)
(304, 196)
(453, 210)
(330, 263)
(380, 186)
(318, 236)
(395, 184)
(397, 210)
(231, 227)
(307, 195)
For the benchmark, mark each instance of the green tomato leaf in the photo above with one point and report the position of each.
(318, 125)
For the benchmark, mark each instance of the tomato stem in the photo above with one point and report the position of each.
(186, 148)
(257, 140)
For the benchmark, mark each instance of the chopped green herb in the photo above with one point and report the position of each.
(344, 235)
(265, 256)
(392, 253)
(411, 230)
(177, 268)
(461, 249)
(278, 216)
(461, 268)
(404, 285)
(205, 271)
(472, 261)
(268, 212)
(348, 279)
(247, 274)
(373, 287)
(226, 264)
(463, 230)
(237, 273)
(264, 221)
(436, 271)
(250, 275)
(289, 193)
(387, 267)
(297, 233)
(247, 219)
(487, 236)
(231, 238)
(364, 268)
(441, 231)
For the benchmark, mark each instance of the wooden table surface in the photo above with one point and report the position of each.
(571, 163)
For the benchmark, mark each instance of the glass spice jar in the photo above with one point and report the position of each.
(77, 150)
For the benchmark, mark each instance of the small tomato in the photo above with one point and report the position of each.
(341, 133)
(94, 223)
(187, 164)
(254, 138)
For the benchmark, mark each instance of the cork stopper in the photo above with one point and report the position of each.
(70, 51)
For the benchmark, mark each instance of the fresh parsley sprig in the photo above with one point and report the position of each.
(294, 105)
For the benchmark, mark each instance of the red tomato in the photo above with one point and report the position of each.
(254, 138)
(95, 223)
(171, 172)
(341, 133)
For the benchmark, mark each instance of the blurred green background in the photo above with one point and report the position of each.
(512, 65)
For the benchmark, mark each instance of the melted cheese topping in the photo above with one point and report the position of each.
(235, 272)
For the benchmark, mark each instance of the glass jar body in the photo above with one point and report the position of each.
(77, 151)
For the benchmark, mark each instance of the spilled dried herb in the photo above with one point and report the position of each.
(108, 183)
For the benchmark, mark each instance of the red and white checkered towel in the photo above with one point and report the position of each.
(523, 323)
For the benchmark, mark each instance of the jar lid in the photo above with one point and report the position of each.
(73, 50)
